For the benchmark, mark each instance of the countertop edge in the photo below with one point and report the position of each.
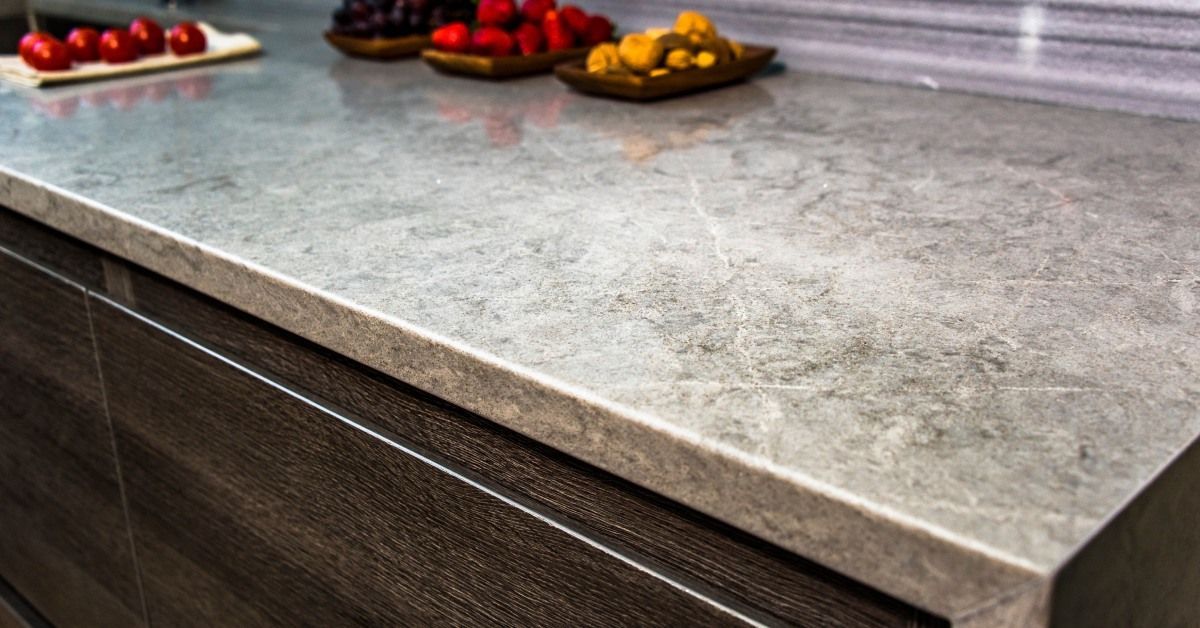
(911, 560)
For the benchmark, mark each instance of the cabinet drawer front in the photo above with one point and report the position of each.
(64, 545)
(253, 505)
(780, 587)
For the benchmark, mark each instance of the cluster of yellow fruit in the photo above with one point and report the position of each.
(692, 43)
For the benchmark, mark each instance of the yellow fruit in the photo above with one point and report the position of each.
(659, 72)
(705, 59)
(679, 59)
(737, 50)
(657, 32)
(693, 23)
(671, 41)
(603, 58)
(719, 47)
(640, 53)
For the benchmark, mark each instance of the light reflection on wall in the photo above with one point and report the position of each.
(1033, 17)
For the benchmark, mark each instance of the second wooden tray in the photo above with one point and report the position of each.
(642, 88)
(379, 48)
(498, 67)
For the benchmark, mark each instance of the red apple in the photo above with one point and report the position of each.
(84, 44)
(496, 12)
(535, 10)
(575, 18)
(148, 36)
(599, 30)
(529, 39)
(116, 46)
(29, 41)
(50, 55)
(187, 39)
(492, 41)
(454, 37)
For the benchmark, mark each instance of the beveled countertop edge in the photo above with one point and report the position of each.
(914, 561)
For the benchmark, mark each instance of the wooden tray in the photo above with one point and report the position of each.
(499, 67)
(642, 88)
(380, 47)
(221, 47)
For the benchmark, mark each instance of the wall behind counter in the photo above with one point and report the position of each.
(1140, 56)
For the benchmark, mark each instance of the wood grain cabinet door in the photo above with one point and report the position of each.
(254, 505)
(64, 544)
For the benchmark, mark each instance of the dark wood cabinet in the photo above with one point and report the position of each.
(9, 617)
(64, 545)
(15, 612)
(252, 478)
(252, 505)
(769, 584)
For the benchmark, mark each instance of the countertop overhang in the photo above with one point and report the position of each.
(933, 341)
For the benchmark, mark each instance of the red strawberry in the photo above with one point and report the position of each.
(558, 34)
(492, 41)
(599, 30)
(529, 39)
(496, 12)
(454, 37)
(575, 18)
(535, 10)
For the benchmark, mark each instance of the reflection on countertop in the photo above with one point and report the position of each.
(127, 94)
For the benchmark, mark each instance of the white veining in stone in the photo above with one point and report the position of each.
(930, 340)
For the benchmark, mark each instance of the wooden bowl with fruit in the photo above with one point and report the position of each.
(391, 29)
(662, 63)
(511, 42)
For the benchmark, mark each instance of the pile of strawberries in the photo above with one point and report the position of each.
(539, 26)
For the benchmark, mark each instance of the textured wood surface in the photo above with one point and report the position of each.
(9, 618)
(64, 545)
(379, 48)
(66, 256)
(251, 507)
(511, 66)
(714, 557)
(15, 612)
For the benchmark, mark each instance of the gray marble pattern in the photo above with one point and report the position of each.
(930, 340)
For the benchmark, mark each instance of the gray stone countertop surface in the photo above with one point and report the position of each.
(930, 340)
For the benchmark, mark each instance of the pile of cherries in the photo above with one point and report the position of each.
(397, 18)
(43, 52)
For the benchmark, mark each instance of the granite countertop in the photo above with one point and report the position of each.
(930, 340)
